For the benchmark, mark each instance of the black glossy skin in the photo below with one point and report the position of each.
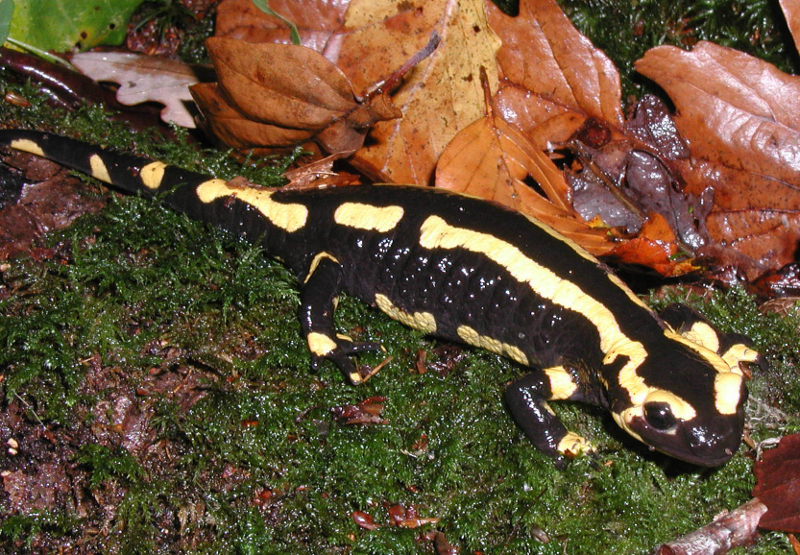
(459, 287)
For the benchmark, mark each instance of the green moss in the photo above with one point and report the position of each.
(22, 529)
(106, 464)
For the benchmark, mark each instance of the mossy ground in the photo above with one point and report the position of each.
(154, 374)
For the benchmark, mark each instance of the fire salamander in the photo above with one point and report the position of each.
(470, 271)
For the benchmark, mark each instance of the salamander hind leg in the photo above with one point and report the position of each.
(318, 299)
(527, 401)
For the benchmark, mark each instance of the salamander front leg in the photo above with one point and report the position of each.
(527, 400)
(318, 299)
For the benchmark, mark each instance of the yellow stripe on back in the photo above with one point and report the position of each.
(289, 217)
(437, 233)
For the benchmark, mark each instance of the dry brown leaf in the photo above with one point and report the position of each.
(554, 76)
(490, 159)
(237, 130)
(368, 40)
(734, 529)
(442, 96)
(741, 117)
(791, 10)
(270, 94)
(281, 84)
(733, 108)
(316, 20)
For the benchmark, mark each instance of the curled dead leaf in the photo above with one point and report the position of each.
(235, 129)
(275, 95)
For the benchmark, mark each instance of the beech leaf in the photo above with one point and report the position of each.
(237, 130)
(368, 40)
(791, 10)
(442, 96)
(554, 76)
(284, 85)
(315, 20)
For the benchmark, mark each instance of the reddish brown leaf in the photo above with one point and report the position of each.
(363, 520)
(442, 546)
(273, 95)
(791, 10)
(778, 485)
(281, 84)
(406, 517)
(237, 130)
(741, 117)
(554, 76)
(490, 159)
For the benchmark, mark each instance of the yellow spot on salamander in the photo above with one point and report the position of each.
(320, 344)
(366, 216)
(727, 392)
(437, 233)
(153, 174)
(472, 337)
(424, 321)
(289, 217)
(515, 353)
(561, 384)
(99, 170)
(315, 263)
(26, 145)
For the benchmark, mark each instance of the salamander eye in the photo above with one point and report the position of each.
(659, 415)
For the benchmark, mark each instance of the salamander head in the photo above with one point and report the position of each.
(690, 407)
